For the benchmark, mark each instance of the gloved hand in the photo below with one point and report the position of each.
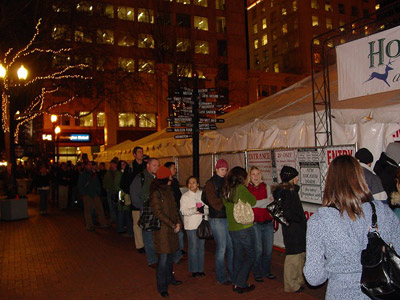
(201, 209)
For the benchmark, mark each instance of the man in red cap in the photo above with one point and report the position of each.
(212, 196)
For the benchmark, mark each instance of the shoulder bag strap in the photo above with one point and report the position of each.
(374, 218)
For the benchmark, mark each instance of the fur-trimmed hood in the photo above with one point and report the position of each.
(395, 199)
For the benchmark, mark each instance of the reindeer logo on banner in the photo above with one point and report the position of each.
(381, 76)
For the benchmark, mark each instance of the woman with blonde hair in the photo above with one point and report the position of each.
(263, 226)
(337, 232)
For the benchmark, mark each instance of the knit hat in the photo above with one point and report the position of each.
(364, 156)
(221, 163)
(163, 172)
(393, 151)
(288, 173)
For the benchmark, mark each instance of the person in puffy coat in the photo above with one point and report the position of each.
(166, 243)
(192, 209)
(294, 235)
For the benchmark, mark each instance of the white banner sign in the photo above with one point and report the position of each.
(369, 65)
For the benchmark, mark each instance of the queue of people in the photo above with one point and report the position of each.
(145, 201)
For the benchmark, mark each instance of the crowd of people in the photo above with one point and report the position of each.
(145, 202)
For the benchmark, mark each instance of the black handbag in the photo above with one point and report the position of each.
(380, 278)
(276, 211)
(147, 220)
(204, 230)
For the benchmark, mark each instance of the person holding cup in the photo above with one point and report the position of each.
(192, 209)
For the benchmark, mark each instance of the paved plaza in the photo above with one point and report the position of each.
(53, 256)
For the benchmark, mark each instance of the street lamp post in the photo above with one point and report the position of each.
(57, 131)
(9, 111)
(53, 120)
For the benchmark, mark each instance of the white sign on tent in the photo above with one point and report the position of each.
(369, 65)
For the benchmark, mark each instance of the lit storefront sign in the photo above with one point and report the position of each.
(75, 137)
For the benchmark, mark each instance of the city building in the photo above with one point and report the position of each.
(281, 31)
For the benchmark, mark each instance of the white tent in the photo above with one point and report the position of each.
(284, 119)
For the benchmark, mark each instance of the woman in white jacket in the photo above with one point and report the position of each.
(192, 209)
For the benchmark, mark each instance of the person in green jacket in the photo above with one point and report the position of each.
(90, 189)
(111, 183)
(242, 235)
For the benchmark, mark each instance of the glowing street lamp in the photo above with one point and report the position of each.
(22, 73)
(57, 131)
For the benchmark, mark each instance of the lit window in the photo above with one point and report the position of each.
(317, 58)
(221, 24)
(255, 29)
(101, 119)
(264, 23)
(147, 120)
(82, 36)
(61, 60)
(184, 70)
(126, 64)
(284, 12)
(329, 24)
(274, 35)
(220, 4)
(84, 7)
(200, 2)
(314, 4)
(328, 7)
(60, 32)
(145, 41)
(314, 21)
(145, 15)
(183, 1)
(146, 66)
(255, 44)
(85, 119)
(182, 45)
(330, 44)
(316, 41)
(294, 5)
(378, 6)
(284, 29)
(126, 39)
(265, 39)
(342, 41)
(276, 68)
(105, 10)
(341, 24)
(201, 47)
(126, 119)
(126, 13)
(105, 36)
(201, 23)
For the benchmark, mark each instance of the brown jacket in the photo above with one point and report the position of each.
(164, 208)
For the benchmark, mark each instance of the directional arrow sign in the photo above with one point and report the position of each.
(179, 129)
(183, 136)
(207, 126)
(180, 125)
(211, 120)
(179, 119)
(208, 112)
(201, 91)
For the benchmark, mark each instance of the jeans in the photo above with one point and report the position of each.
(195, 252)
(149, 247)
(124, 218)
(112, 205)
(264, 239)
(165, 275)
(43, 199)
(244, 255)
(223, 243)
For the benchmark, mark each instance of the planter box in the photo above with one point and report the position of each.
(13, 209)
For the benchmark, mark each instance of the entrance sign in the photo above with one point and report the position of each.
(369, 65)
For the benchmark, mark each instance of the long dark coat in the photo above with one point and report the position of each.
(294, 235)
(162, 202)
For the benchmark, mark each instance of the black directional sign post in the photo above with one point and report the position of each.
(196, 131)
(194, 110)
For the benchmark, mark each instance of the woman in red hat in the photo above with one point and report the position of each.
(166, 241)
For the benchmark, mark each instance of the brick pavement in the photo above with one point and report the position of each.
(55, 257)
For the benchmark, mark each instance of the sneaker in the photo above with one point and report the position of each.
(237, 289)
(141, 250)
(258, 279)
(249, 288)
